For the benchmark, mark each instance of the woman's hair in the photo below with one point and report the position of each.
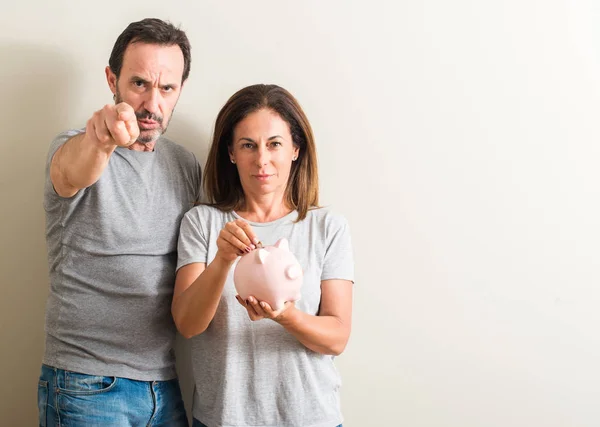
(222, 185)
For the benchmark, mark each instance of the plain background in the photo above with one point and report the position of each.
(460, 139)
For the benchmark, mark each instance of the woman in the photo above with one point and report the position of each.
(254, 366)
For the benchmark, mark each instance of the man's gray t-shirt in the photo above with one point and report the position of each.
(256, 373)
(112, 250)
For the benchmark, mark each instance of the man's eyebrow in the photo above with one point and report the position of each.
(143, 80)
(138, 79)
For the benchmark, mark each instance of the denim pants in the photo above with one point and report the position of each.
(71, 399)
(197, 423)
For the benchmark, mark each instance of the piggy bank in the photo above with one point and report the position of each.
(271, 274)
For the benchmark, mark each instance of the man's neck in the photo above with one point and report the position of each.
(138, 146)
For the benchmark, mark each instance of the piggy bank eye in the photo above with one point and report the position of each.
(293, 272)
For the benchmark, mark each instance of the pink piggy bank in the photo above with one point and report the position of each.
(271, 274)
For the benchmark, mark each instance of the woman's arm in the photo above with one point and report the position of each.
(198, 287)
(196, 296)
(326, 333)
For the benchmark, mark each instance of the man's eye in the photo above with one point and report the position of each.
(138, 83)
(167, 88)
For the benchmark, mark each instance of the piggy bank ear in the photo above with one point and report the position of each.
(283, 244)
(293, 272)
(262, 255)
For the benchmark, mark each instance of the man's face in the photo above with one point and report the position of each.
(150, 81)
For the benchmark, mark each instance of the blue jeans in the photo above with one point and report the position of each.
(197, 423)
(71, 399)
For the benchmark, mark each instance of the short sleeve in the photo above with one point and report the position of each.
(50, 195)
(197, 180)
(339, 259)
(192, 246)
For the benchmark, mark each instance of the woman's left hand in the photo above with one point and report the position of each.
(261, 310)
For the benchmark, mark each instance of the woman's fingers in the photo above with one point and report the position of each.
(249, 232)
(254, 303)
(234, 242)
(239, 235)
(274, 313)
(250, 308)
(261, 309)
(242, 231)
(255, 307)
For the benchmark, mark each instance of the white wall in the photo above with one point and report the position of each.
(465, 134)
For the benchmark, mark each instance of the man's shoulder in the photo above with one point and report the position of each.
(180, 154)
(167, 144)
(62, 137)
(69, 133)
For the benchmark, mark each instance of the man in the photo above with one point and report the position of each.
(115, 194)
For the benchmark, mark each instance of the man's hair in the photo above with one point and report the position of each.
(151, 31)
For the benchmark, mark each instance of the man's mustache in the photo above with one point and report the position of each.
(147, 115)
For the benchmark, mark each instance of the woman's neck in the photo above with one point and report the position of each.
(264, 209)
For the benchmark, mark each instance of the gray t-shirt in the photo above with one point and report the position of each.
(256, 373)
(112, 250)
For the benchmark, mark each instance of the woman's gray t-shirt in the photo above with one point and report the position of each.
(256, 373)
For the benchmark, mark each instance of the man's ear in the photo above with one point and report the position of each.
(111, 78)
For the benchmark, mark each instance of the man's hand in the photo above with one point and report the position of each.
(113, 125)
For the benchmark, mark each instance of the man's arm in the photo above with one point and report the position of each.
(80, 161)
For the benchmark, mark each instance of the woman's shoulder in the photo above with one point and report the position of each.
(208, 214)
(327, 218)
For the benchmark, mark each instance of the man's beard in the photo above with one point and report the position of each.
(150, 135)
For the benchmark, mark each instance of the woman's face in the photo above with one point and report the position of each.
(263, 151)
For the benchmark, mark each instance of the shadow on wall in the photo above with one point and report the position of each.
(37, 83)
(182, 131)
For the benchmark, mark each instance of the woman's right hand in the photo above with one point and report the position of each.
(235, 239)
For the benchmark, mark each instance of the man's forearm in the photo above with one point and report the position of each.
(78, 163)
